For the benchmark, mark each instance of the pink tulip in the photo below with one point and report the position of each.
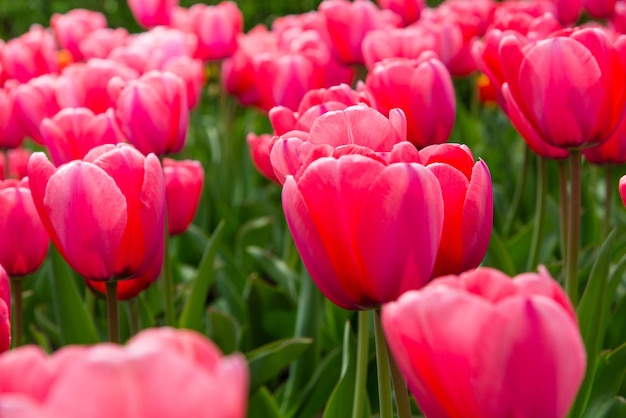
(150, 13)
(260, 147)
(423, 89)
(613, 151)
(599, 9)
(5, 313)
(162, 44)
(105, 214)
(72, 27)
(18, 160)
(409, 10)
(216, 28)
(183, 187)
(366, 231)
(34, 101)
(152, 111)
(409, 42)
(30, 55)
(577, 76)
(468, 206)
(11, 132)
(160, 373)
(567, 11)
(191, 71)
(526, 17)
(617, 21)
(73, 132)
(25, 241)
(347, 23)
(355, 130)
(481, 345)
(100, 42)
(622, 189)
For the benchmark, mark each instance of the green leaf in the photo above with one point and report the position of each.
(270, 360)
(75, 324)
(223, 330)
(263, 405)
(615, 407)
(498, 255)
(607, 379)
(193, 311)
(276, 269)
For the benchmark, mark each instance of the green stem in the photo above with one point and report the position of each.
(17, 327)
(540, 213)
(167, 286)
(133, 315)
(112, 314)
(564, 197)
(571, 279)
(382, 368)
(608, 202)
(403, 404)
(519, 192)
(358, 403)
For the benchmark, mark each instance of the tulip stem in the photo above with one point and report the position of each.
(358, 402)
(382, 368)
(564, 197)
(112, 314)
(167, 285)
(133, 315)
(608, 202)
(517, 197)
(16, 292)
(540, 213)
(571, 279)
(403, 404)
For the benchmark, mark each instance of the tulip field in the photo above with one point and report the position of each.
(303, 209)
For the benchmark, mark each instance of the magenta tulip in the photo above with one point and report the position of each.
(152, 111)
(183, 187)
(73, 132)
(17, 160)
(11, 132)
(409, 10)
(25, 240)
(150, 13)
(423, 89)
(481, 345)
(366, 231)
(5, 310)
(600, 9)
(72, 27)
(105, 214)
(34, 101)
(576, 76)
(468, 206)
(30, 55)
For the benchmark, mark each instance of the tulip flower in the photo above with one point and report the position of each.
(600, 9)
(73, 132)
(622, 189)
(183, 188)
(366, 231)
(17, 160)
(468, 206)
(105, 213)
(409, 10)
(590, 99)
(192, 72)
(149, 13)
(70, 28)
(11, 133)
(613, 151)
(30, 55)
(152, 111)
(100, 42)
(25, 241)
(481, 345)
(161, 372)
(5, 310)
(423, 89)
(34, 101)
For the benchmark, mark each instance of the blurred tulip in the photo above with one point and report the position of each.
(577, 76)
(24, 243)
(622, 189)
(568, 11)
(409, 10)
(183, 187)
(160, 45)
(164, 373)
(105, 214)
(613, 151)
(152, 111)
(150, 13)
(260, 147)
(34, 101)
(5, 310)
(30, 55)
(72, 27)
(18, 161)
(347, 23)
(468, 206)
(366, 231)
(100, 42)
(600, 9)
(481, 345)
(191, 71)
(73, 132)
(423, 89)
(11, 133)
(357, 129)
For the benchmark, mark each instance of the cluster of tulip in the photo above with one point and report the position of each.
(387, 216)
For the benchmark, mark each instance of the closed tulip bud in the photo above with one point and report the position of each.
(423, 89)
(105, 213)
(468, 206)
(481, 345)
(366, 231)
(150, 13)
(152, 111)
(73, 132)
(25, 241)
(183, 187)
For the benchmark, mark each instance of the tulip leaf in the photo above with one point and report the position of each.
(268, 361)
(610, 370)
(223, 330)
(340, 402)
(276, 269)
(498, 255)
(193, 311)
(263, 405)
(75, 324)
(615, 407)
